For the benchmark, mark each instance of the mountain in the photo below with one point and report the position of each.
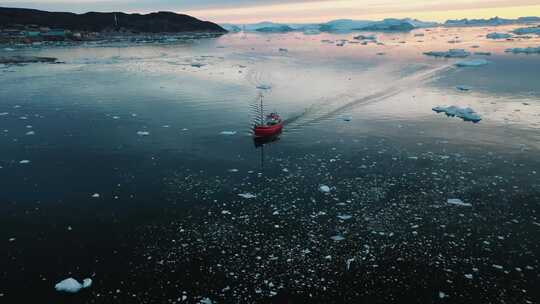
(160, 22)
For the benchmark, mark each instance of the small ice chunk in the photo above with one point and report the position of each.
(345, 217)
(469, 276)
(95, 195)
(464, 88)
(4, 113)
(264, 87)
(30, 133)
(205, 301)
(247, 195)
(472, 63)
(324, 188)
(71, 285)
(283, 50)
(24, 161)
(442, 295)
(230, 133)
(337, 238)
(497, 266)
(458, 202)
(143, 133)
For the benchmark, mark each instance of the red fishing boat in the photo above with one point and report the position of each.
(268, 126)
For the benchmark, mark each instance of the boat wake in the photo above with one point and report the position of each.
(330, 108)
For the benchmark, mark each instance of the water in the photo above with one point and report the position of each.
(169, 222)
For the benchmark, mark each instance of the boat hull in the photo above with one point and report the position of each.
(267, 131)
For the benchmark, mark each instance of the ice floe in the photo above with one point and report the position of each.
(464, 88)
(527, 30)
(458, 202)
(264, 87)
(472, 63)
(247, 195)
(71, 285)
(467, 114)
(452, 53)
(337, 238)
(528, 50)
(496, 36)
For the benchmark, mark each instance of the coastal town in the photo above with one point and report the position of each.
(34, 34)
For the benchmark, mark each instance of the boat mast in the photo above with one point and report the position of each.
(262, 109)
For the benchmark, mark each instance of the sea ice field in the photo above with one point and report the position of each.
(408, 170)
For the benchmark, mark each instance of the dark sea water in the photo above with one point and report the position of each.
(113, 166)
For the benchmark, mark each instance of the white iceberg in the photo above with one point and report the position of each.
(458, 202)
(247, 195)
(71, 285)
(496, 36)
(467, 114)
(472, 63)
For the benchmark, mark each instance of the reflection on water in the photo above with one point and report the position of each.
(162, 132)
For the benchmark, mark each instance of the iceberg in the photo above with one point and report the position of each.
(528, 50)
(467, 114)
(496, 36)
(268, 27)
(233, 28)
(452, 53)
(527, 30)
(71, 285)
(343, 25)
(480, 22)
(472, 63)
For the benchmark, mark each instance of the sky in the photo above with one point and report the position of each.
(300, 11)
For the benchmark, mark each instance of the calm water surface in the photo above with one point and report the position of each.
(113, 167)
